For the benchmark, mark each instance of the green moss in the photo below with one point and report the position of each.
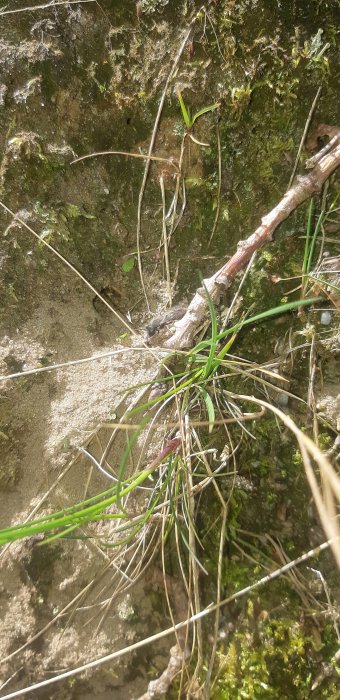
(325, 441)
(269, 658)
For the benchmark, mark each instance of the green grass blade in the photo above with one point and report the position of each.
(228, 344)
(320, 280)
(71, 520)
(275, 311)
(71, 510)
(59, 535)
(313, 241)
(209, 406)
(172, 392)
(308, 234)
(126, 454)
(210, 361)
(185, 112)
(204, 110)
(148, 513)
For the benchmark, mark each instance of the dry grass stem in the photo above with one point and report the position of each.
(165, 244)
(303, 137)
(142, 156)
(46, 6)
(219, 184)
(325, 502)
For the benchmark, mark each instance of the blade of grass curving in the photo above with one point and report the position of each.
(123, 528)
(126, 454)
(325, 214)
(325, 282)
(145, 517)
(31, 528)
(59, 536)
(78, 518)
(176, 497)
(172, 392)
(72, 510)
(231, 341)
(185, 112)
(143, 156)
(204, 110)
(199, 143)
(228, 345)
(190, 550)
(66, 511)
(209, 406)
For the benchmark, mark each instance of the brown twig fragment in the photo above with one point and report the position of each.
(302, 189)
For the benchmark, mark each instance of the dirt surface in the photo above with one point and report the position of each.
(80, 79)
(49, 317)
(44, 421)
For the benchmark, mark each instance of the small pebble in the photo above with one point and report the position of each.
(326, 318)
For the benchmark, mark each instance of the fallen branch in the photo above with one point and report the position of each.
(216, 285)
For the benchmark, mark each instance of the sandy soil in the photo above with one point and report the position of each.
(45, 419)
(49, 66)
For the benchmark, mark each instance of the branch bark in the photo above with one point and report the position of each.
(304, 187)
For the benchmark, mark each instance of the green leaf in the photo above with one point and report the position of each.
(204, 110)
(210, 407)
(128, 264)
(308, 234)
(277, 310)
(185, 112)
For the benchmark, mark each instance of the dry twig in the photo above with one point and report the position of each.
(303, 188)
